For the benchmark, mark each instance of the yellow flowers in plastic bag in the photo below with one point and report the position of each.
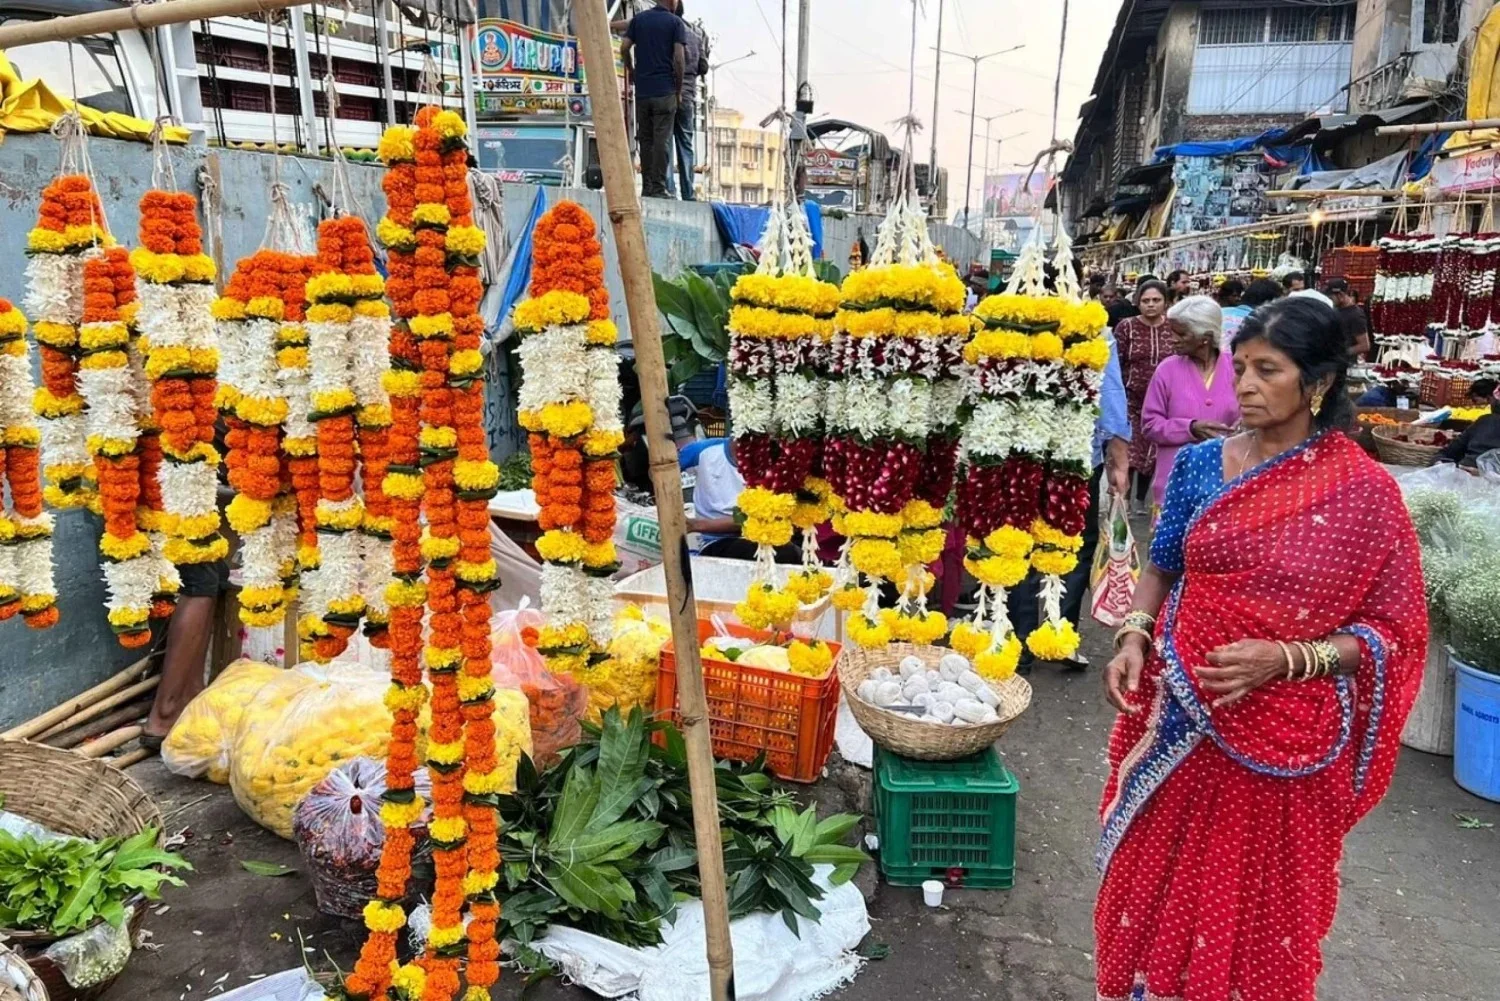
(199, 744)
(628, 677)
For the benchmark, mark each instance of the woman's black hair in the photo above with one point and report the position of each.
(1483, 389)
(1148, 285)
(1311, 335)
(1261, 291)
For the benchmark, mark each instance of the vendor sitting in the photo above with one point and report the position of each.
(715, 503)
(1481, 436)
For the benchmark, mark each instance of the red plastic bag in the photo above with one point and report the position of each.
(557, 703)
(338, 829)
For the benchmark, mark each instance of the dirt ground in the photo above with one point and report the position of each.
(1420, 904)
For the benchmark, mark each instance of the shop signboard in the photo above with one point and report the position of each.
(826, 168)
(1476, 171)
(523, 71)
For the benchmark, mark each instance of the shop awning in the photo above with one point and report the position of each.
(1324, 131)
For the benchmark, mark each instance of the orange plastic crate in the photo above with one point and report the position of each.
(752, 710)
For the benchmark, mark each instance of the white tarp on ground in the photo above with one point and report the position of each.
(770, 963)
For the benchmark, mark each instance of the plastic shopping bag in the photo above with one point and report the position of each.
(199, 743)
(556, 703)
(1116, 568)
(338, 829)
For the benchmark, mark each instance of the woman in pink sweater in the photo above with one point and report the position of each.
(1191, 396)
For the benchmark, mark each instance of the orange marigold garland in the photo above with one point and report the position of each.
(249, 314)
(69, 223)
(114, 420)
(406, 594)
(174, 280)
(25, 549)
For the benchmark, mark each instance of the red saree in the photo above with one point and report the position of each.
(1223, 828)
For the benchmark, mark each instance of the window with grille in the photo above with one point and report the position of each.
(726, 156)
(1440, 21)
(1272, 59)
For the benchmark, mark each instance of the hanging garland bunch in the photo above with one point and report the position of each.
(174, 282)
(70, 223)
(894, 363)
(114, 418)
(780, 328)
(571, 408)
(25, 529)
(295, 516)
(377, 970)
(249, 315)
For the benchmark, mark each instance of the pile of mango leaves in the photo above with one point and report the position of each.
(603, 840)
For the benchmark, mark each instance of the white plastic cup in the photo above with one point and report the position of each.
(932, 893)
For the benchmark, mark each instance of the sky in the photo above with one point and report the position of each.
(861, 50)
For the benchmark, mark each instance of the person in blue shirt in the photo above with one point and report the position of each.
(1111, 461)
(658, 40)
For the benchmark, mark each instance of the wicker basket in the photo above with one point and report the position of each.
(1406, 453)
(912, 738)
(1364, 434)
(17, 982)
(70, 794)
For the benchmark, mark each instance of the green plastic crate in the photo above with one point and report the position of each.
(948, 820)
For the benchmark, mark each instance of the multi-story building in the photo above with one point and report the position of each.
(745, 163)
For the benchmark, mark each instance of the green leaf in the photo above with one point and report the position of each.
(842, 874)
(588, 888)
(606, 845)
(580, 795)
(623, 751)
(710, 318)
(266, 868)
(674, 858)
(832, 829)
(834, 855)
(74, 906)
(683, 369)
(113, 912)
(874, 950)
(672, 299)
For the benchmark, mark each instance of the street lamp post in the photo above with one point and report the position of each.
(984, 178)
(973, 112)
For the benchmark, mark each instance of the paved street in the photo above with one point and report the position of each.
(1420, 905)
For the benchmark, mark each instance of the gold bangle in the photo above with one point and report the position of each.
(1330, 656)
(1128, 630)
(1307, 660)
(1287, 654)
(1141, 620)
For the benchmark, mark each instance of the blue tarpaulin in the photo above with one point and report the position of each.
(1303, 157)
(519, 265)
(744, 224)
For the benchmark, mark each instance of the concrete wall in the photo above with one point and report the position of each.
(1175, 44)
(39, 669)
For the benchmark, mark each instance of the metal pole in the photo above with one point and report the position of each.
(465, 37)
(937, 90)
(304, 83)
(804, 43)
(969, 170)
(381, 10)
(645, 334)
(984, 184)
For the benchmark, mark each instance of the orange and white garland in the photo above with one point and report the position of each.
(25, 549)
(174, 281)
(112, 382)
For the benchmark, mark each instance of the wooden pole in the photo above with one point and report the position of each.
(129, 758)
(1428, 127)
(101, 746)
(132, 17)
(1336, 193)
(34, 726)
(133, 713)
(101, 707)
(592, 25)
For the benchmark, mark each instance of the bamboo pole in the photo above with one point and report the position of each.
(592, 25)
(141, 17)
(101, 707)
(35, 725)
(1425, 128)
(129, 758)
(1336, 193)
(101, 746)
(133, 713)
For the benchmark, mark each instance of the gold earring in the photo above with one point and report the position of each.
(1317, 400)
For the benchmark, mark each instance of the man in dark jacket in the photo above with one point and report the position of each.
(657, 39)
(686, 125)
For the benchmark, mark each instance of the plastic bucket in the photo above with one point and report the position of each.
(1476, 731)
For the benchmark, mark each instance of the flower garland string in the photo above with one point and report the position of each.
(406, 594)
(25, 529)
(249, 315)
(570, 403)
(114, 419)
(895, 359)
(174, 282)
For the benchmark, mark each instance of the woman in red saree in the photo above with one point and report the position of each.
(1284, 553)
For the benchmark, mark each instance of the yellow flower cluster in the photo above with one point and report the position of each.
(920, 323)
(756, 321)
(1055, 553)
(1008, 309)
(791, 293)
(849, 598)
(397, 144)
(866, 632)
(872, 524)
(165, 269)
(767, 607)
(876, 557)
(1092, 354)
(560, 420)
(70, 240)
(557, 308)
(924, 628)
(1002, 559)
(811, 659)
(808, 584)
(934, 287)
(1053, 641)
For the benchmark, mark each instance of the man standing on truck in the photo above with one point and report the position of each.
(685, 128)
(658, 40)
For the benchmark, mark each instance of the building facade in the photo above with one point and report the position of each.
(745, 163)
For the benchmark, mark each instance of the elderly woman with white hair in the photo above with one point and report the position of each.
(1191, 396)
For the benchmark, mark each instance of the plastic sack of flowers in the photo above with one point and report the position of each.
(556, 702)
(200, 742)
